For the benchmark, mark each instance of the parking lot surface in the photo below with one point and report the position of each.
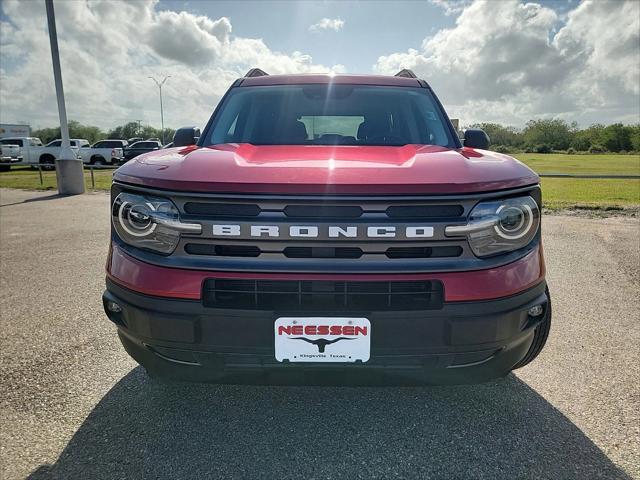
(74, 405)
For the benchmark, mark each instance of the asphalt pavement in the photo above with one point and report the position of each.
(74, 405)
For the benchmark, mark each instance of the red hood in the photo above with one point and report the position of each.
(287, 169)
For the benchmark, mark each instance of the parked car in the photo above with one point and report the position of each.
(134, 140)
(139, 148)
(104, 152)
(333, 224)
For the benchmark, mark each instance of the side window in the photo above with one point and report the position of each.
(100, 145)
(57, 143)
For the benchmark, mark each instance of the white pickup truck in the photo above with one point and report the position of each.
(33, 152)
(104, 152)
(9, 153)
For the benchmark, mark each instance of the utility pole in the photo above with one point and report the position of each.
(69, 171)
(139, 131)
(160, 84)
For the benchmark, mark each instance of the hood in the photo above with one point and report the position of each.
(302, 169)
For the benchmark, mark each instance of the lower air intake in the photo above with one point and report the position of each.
(321, 295)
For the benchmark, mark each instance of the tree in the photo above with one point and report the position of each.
(556, 133)
(76, 130)
(128, 130)
(616, 137)
(635, 137)
(501, 135)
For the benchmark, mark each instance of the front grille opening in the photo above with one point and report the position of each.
(322, 252)
(425, 211)
(322, 211)
(315, 295)
(424, 252)
(222, 250)
(222, 209)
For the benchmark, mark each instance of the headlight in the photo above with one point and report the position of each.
(147, 222)
(500, 226)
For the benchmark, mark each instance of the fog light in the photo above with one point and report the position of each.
(536, 311)
(113, 307)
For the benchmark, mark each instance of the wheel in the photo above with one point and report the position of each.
(48, 160)
(540, 335)
(98, 161)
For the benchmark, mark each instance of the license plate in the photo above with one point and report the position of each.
(322, 339)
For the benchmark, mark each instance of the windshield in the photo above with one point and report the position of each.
(329, 115)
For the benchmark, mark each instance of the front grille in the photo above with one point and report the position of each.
(321, 295)
(351, 248)
(210, 249)
(320, 234)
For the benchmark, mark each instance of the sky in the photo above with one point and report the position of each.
(501, 61)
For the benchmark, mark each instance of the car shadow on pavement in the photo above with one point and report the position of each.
(503, 429)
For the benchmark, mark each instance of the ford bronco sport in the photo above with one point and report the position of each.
(327, 226)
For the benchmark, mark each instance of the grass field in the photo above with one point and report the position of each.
(558, 193)
(566, 193)
(582, 164)
(24, 177)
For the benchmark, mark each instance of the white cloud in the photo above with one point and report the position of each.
(334, 24)
(450, 7)
(108, 49)
(514, 67)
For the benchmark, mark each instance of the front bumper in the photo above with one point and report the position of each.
(464, 342)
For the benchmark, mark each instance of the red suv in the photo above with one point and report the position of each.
(328, 226)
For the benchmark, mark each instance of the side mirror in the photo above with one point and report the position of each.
(186, 136)
(476, 138)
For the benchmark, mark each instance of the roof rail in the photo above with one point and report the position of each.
(255, 72)
(406, 73)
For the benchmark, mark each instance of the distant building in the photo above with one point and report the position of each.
(14, 130)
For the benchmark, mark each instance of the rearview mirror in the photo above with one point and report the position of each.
(476, 138)
(186, 136)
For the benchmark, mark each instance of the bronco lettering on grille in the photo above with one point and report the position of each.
(314, 231)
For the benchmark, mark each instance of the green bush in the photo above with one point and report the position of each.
(597, 149)
(571, 151)
(542, 148)
(502, 149)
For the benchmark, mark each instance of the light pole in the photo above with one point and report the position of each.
(160, 84)
(69, 171)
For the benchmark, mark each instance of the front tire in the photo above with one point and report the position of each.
(99, 161)
(540, 336)
(48, 160)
